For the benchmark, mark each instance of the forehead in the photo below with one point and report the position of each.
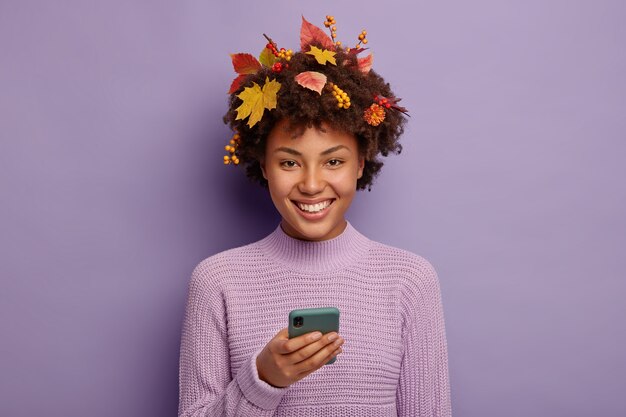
(309, 138)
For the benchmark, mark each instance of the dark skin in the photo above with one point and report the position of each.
(284, 361)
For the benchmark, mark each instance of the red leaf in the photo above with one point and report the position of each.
(392, 102)
(245, 63)
(365, 64)
(356, 51)
(311, 34)
(236, 83)
(312, 80)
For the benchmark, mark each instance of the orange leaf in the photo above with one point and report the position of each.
(236, 83)
(245, 63)
(312, 80)
(365, 63)
(311, 34)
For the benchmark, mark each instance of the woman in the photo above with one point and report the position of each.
(310, 127)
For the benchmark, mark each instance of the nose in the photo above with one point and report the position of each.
(312, 181)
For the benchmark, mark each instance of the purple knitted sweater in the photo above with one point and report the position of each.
(394, 360)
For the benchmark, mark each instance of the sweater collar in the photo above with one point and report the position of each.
(325, 255)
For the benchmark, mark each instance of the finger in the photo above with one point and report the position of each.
(312, 348)
(316, 355)
(316, 362)
(286, 346)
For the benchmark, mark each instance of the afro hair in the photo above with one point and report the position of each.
(304, 107)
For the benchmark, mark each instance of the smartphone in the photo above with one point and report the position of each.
(308, 320)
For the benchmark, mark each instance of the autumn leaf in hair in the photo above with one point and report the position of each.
(312, 80)
(256, 99)
(322, 56)
(267, 58)
(313, 35)
(365, 63)
(244, 64)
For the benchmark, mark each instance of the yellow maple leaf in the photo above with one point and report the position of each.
(256, 99)
(270, 90)
(322, 55)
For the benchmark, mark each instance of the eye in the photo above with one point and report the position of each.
(334, 162)
(288, 164)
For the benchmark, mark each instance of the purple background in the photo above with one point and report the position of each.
(510, 183)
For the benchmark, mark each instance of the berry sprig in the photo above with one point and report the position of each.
(382, 101)
(281, 53)
(279, 66)
(343, 100)
(362, 39)
(285, 54)
(232, 158)
(390, 103)
(330, 23)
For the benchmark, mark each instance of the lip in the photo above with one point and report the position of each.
(319, 200)
(313, 216)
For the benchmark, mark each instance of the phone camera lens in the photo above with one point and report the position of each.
(298, 321)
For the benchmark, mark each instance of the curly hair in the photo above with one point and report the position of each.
(304, 107)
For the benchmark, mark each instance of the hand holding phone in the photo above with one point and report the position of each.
(308, 320)
(285, 360)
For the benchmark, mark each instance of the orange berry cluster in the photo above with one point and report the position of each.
(283, 53)
(343, 101)
(362, 38)
(232, 148)
(330, 23)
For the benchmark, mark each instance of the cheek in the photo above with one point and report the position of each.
(345, 183)
(279, 185)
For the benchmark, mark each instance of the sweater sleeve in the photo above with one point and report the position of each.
(424, 388)
(206, 385)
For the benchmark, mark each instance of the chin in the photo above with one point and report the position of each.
(313, 232)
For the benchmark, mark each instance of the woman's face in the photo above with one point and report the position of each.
(312, 175)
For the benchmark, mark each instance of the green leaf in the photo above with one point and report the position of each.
(267, 58)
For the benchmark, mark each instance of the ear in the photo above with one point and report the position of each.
(262, 164)
(361, 166)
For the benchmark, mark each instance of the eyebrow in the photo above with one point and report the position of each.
(297, 153)
(333, 149)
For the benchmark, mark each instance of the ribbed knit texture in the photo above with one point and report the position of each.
(394, 360)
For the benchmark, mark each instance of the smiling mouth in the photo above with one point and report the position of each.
(314, 208)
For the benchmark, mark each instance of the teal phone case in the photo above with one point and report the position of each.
(308, 320)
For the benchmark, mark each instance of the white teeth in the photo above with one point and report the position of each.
(314, 208)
